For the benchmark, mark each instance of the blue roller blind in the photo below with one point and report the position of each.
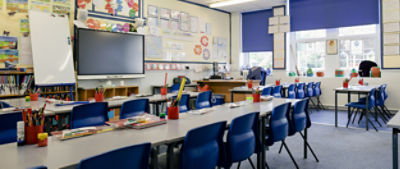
(322, 14)
(255, 37)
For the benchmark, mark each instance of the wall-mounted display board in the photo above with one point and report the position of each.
(279, 24)
(390, 34)
(180, 31)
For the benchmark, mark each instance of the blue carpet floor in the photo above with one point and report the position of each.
(328, 117)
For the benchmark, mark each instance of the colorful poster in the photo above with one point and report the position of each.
(62, 10)
(40, 6)
(9, 55)
(62, 2)
(17, 6)
(24, 25)
(8, 42)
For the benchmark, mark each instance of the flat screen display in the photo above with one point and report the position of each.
(109, 53)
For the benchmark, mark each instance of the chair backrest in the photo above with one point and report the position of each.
(4, 105)
(266, 91)
(202, 147)
(263, 77)
(380, 99)
(300, 91)
(372, 99)
(298, 117)
(292, 91)
(203, 100)
(134, 107)
(92, 114)
(310, 89)
(8, 127)
(317, 89)
(242, 137)
(175, 87)
(136, 156)
(278, 124)
(384, 91)
(39, 167)
(277, 92)
(184, 104)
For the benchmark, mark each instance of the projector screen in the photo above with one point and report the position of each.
(109, 53)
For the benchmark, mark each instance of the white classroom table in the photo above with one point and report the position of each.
(51, 109)
(394, 123)
(353, 90)
(60, 154)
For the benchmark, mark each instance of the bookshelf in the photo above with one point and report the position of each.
(85, 94)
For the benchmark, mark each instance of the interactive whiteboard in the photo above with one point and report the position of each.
(51, 49)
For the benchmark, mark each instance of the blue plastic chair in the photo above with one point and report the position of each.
(8, 127)
(317, 94)
(263, 78)
(266, 91)
(202, 147)
(292, 91)
(4, 105)
(277, 92)
(278, 128)
(380, 104)
(184, 103)
(175, 88)
(39, 167)
(92, 114)
(242, 139)
(362, 107)
(203, 100)
(299, 120)
(134, 107)
(310, 90)
(300, 91)
(136, 156)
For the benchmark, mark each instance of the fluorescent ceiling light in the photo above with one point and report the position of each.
(227, 3)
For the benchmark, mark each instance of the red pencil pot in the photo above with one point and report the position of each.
(249, 85)
(42, 139)
(361, 82)
(99, 97)
(295, 80)
(31, 133)
(256, 98)
(173, 113)
(163, 91)
(277, 82)
(34, 96)
(345, 84)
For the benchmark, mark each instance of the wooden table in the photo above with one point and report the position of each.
(223, 86)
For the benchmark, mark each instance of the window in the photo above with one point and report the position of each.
(352, 52)
(320, 33)
(357, 30)
(262, 59)
(311, 55)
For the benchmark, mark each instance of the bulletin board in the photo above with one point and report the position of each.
(15, 24)
(179, 31)
(390, 38)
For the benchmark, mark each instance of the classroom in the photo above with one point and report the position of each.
(199, 84)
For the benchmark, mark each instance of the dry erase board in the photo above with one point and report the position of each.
(51, 49)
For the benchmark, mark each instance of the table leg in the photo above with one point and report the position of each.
(336, 109)
(305, 143)
(232, 97)
(154, 158)
(259, 158)
(170, 156)
(395, 148)
(263, 121)
(367, 112)
(348, 107)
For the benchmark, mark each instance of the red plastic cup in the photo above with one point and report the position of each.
(345, 85)
(173, 113)
(250, 85)
(99, 97)
(361, 82)
(34, 96)
(163, 91)
(256, 98)
(277, 82)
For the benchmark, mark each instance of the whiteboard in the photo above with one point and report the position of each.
(51, 49)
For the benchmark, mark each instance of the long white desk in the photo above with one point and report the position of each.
(51, 109)
(70, 152)
(394, 123)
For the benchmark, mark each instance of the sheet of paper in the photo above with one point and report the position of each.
(273, 20)
(391, 27)
(279, 11)
(284, 20)
(284, 28)
(25, 51)
(391, 38)
(273, 29)
(391, 50)
(194, 24)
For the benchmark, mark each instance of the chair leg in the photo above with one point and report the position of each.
(266, 164)
(372, 124)
(280, 149)
(387, 110)
(290, 154)
(312, 102)
(238, 167)
(349, 117)
(361, 116)
(251, 163)
(355, 116)
(381, 114)
(376, 118)
(309, 147)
